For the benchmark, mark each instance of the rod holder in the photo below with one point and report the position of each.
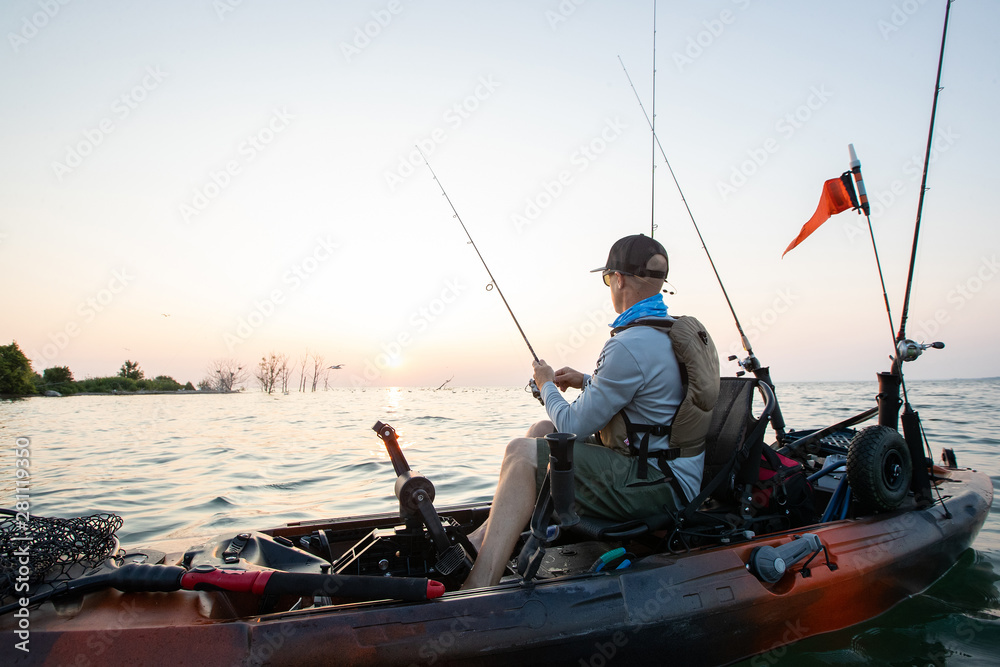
(561, 477)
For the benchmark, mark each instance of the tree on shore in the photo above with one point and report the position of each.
(303, 376)
(57, 375)
(317, 367)
(225, 375)
(284, 372)
(268, 371)
(131, 370)
(16, 374)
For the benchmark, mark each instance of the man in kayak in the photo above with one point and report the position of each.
(638, 371)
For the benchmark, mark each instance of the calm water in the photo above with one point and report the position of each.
(178, 466)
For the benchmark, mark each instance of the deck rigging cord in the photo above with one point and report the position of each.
(493, 281)
(751, 363)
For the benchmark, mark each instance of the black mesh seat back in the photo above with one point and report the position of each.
(732, 420)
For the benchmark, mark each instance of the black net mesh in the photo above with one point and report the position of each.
(44, 549)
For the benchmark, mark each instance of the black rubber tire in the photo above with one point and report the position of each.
(878, 469)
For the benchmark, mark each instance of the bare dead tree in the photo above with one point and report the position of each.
(227, 374)
(284, 372)
(302, 371)
(267, 372)
(317, 367)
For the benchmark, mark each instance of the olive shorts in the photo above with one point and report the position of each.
(607, 484)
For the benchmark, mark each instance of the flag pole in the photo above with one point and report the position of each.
(866, 209)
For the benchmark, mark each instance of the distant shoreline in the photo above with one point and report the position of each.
(145, 392)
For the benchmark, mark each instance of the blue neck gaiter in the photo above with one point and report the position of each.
(651, 307)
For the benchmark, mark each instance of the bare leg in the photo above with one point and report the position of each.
(512, 507)
(541, 429)
(536, 430)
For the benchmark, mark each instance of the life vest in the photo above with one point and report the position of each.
(698, 360)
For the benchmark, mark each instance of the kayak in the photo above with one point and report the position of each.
(639, 595)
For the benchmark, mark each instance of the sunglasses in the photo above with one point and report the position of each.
(607, 276)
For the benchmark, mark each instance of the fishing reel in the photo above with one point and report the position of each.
(908, 350)
(533, 388)
(749, 365)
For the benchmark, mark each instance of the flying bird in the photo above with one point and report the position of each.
(337, 367)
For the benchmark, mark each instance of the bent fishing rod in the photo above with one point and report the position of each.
(493, 281)
(751, 363)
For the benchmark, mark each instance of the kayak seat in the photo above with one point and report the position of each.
(732, 460)
(733, 446)
(734, 432)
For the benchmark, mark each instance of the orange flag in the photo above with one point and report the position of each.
(838, 196)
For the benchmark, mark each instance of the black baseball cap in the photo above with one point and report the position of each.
(631, 254)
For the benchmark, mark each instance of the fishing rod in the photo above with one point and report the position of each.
(901, 336)
(652, 127)
(890, 383)
(751, 363)
(493, 281)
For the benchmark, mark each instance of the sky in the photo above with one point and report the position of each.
(192, 181)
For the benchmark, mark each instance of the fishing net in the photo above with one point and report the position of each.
(46, 549)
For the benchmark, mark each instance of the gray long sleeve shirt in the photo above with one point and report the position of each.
(637, 370)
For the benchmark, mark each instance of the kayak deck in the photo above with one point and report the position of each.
(674, 602)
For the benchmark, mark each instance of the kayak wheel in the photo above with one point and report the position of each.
(878, 469)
